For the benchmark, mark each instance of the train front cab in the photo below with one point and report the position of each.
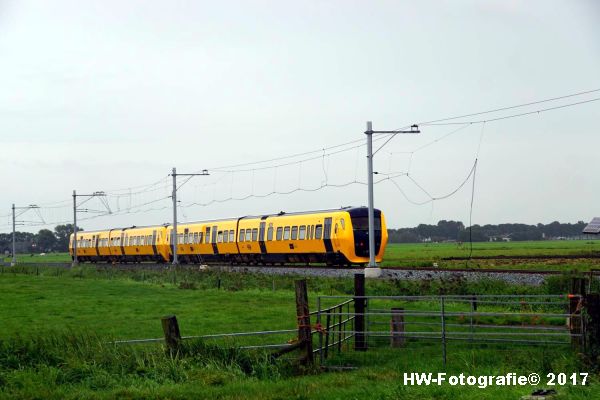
(359, 251)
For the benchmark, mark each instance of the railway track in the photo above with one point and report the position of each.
(303, 268)
(526, 257)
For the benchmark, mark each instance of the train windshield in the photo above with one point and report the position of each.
(362, 223)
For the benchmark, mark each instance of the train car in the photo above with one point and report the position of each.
(146, 243)
(334, 237)
(134, 244)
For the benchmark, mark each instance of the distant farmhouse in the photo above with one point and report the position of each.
(593, 228)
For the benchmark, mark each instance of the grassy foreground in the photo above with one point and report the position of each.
(56, 328)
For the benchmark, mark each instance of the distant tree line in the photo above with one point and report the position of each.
(42, 242)
(456, 231)
(58, 240)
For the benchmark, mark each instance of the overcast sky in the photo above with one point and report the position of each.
(110, 95)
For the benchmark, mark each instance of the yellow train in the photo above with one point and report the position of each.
(333, 237)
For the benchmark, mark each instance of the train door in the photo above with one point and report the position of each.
(336, 235)
(327, 235)
(154, 250)
(122, 243)
(214, 240)
(95, 244)
(261, 238)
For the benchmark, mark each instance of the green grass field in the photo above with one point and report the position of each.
(57, 325)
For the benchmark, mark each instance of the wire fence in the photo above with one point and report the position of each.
(396, 321)
(342, 323)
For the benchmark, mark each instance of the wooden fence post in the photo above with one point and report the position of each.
(578, 287)
(171, 331)
(303, 316)
(592, 328)
(397, 327)
(360, 344)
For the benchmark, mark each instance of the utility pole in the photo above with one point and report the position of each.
(75, 196)
(372, 270)
(14, 232)
(14, 240)
(75, 262)
(174, 243)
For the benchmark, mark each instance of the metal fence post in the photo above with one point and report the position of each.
(473, 309)
(443, 332)
(320, 331)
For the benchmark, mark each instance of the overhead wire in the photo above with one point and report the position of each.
(326, 152)
(512, 115)
(432, 198)
(510, 107)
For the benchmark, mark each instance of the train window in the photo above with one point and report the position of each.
(219, 236)
(225, 236)
(195, 238)
(199, 237)
(279, 234)
(207, 236)
(286, 233)
(302, 232)
(343, 223)
(179, 239)
(294, 232)
(242, 235)
(149, 239)
(312, 231)
(270, 233)
(231, 236)
(254, 234)
(319, 231)
(248, 235)
(186, 238)
(335, 229)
